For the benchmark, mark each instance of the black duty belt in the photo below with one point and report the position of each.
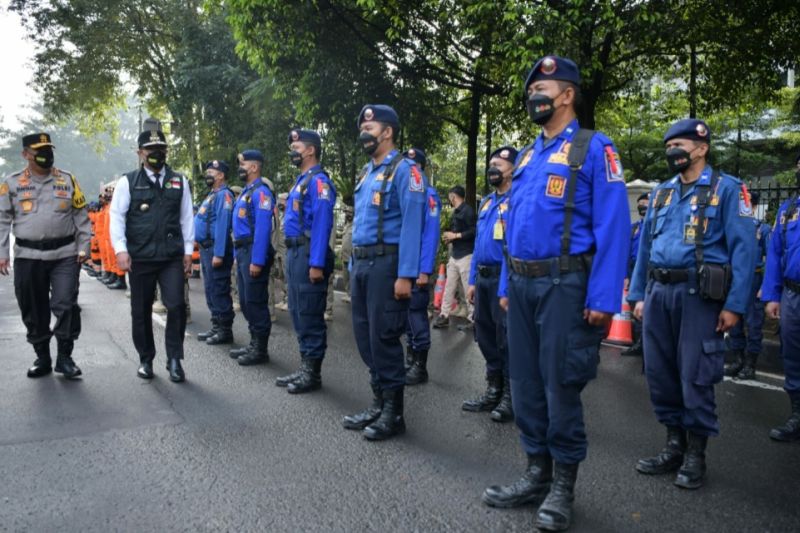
(245, 241)
(208, 243)
(489, 271)
(367, 252)
(544, 267)
(670, 275)
(792, 285)
(296, 242)
(49, 244)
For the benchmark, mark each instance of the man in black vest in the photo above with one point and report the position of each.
(152, 232)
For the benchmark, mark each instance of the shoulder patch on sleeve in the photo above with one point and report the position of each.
(745, 206)
(415, 181)
(78, 198)
(265, 203)
(323, 190)
(613, 164)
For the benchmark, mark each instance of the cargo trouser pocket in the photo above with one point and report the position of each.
(583, 354)
(395, 316)
(712, 361)
(312, 301)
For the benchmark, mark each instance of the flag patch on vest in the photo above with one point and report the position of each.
(613, 166)
(415, 184)
(265, 202)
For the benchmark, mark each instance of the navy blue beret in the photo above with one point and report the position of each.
(417, 155)
(251, 155)
(305, 136)
(509, 153)
(554, 68)
(689, 128)
(150, 138)
(378, 113)
(222, 166)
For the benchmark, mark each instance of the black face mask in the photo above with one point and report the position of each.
(209, 181)
(44, 157)
(296, 158)
(369, 143)
(541, 108)
(678, 160)
(642, 210)
(242, 173)
(156, 159)
(495, 176)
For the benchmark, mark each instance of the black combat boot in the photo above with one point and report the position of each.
(670, 458)
(283, 381)
(310, 377)
(635, 350)
(410, 358)
(790, 430)
(64, 363)
(205, 335)
(223, 335)
(238, 352)
(110, 279)
(504, 412)
(532, 487)
(258, 355)
(43, 364)
(555, 514)
(103, 277)
(693, 469)
(748, 370)
(418, 373)
(366, 417)
(391, 421)
(490, 399)
(733, 368)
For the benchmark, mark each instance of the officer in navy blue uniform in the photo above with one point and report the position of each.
(387, 242)
(484, 280)
(252, 231)
(781, 291)
(636, 236)
(418, 330)
(560, 288)
(746, 348)
(307, 225)
(691, 284)
(212, 231)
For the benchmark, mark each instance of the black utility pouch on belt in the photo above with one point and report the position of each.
(713, 281)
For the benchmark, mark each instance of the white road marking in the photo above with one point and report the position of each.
(758, 384)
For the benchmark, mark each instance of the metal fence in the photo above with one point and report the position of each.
(771, 195)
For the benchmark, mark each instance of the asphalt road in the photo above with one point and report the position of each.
(229, 451)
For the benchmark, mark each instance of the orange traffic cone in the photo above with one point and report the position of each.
(438, 292)
(621, 332)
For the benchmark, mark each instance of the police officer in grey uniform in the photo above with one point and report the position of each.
(47, 210)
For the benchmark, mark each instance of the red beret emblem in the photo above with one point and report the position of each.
(368, 114)
(701, 130)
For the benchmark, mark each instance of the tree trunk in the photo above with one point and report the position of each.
(693, 82)
(472, 145)
(488, 149)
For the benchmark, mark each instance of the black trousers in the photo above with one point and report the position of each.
(144, 276)
(45, 287)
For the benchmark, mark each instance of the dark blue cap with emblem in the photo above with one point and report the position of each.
(305, 136)
(222, 166)
(509, 153)
(251, 155)
(417, 155)
(378, 113)
(36, 140)
(554, 68)
(689, 128)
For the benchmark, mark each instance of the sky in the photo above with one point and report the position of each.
(16, 94)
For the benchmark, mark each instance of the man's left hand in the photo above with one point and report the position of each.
(187, 265)
(402, 289)
(597, 318)
(422, 280)
(315, 275)
(216, 262)
(727, 320)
